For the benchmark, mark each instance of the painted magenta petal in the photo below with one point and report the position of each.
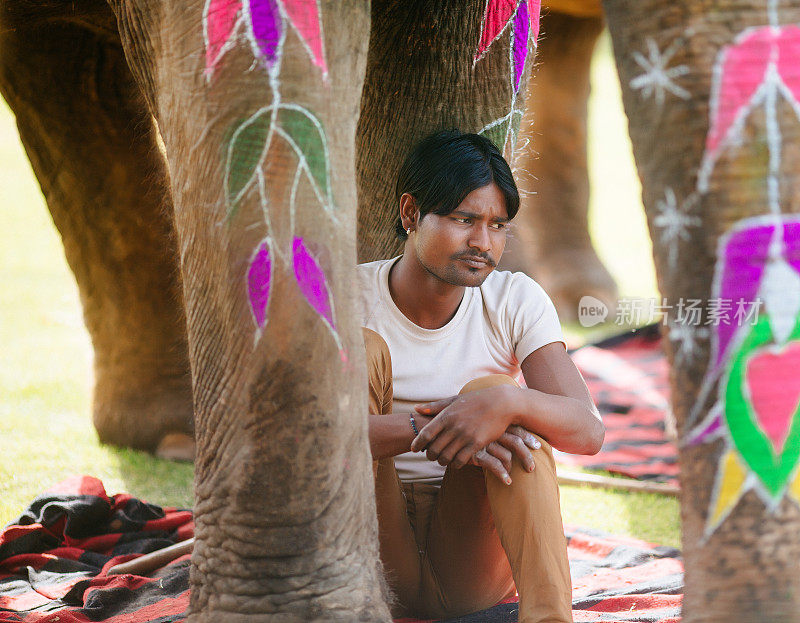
(789, 61)
(699, 436)
(744, 256)
(259, 278)
(738, 74)
(267, 28)
(535, 10)
(312, 281)
(305, 18)
(496, 17)
(522, 30)
(220, 22)
(791, 240)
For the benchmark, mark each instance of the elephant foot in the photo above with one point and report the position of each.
(176, 447)
(154, 415)
(568, 276)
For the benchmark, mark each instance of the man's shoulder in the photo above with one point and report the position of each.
(367, 273)
(369, 276)
(369, 268)
(502, 285)
(523, 311)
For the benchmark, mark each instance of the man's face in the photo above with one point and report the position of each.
(463, 247)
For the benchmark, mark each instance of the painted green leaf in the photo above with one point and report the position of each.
(497, 133)
(246, 149)
(306, 132)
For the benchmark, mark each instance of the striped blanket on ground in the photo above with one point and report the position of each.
(627, 376)
(54, 558)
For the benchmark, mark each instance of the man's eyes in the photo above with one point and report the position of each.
(467, 221)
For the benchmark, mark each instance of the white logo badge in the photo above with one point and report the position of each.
(591, 311)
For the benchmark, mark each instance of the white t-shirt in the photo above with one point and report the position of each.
(497, 325)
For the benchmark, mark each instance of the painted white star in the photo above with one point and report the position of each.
(687, 337)
(657, 78)
(673, 222)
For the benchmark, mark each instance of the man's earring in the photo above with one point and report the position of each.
(408, 231)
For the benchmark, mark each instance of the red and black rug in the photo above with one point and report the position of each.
(627, 376)
(54, 558)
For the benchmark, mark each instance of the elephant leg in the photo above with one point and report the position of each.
(93, 147)
(257, 108)
(716, 139)
(551, 234)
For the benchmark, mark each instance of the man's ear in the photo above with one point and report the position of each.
(409, 213)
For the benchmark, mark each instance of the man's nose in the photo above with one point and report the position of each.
(479, 238)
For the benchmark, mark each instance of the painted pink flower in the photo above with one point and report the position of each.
(304, 16)
(265, 28)
(761, 62)
(523, 15)
(220, 20)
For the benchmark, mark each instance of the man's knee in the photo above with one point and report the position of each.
(490, 380)
(494, 380)
(379, 372)
(543, 459)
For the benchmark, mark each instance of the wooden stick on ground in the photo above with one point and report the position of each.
(154, 560)
(606, 482)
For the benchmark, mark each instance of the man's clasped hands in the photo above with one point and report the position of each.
(475, 429)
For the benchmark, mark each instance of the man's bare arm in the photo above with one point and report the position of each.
(391, 434)
(557, 404)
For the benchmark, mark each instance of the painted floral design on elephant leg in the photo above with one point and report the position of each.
(311, 280)
(674, 221)
(248, 147)
(658, 78)
(265, 24)
(523, 18)
(754, 366)
(756, 70)
(499, 14)
(259, 280)
(221, 21)
(757, 410)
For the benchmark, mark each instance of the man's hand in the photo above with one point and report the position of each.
(497, 456)
(465, 424)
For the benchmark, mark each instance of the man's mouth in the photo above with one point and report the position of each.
(475, 262)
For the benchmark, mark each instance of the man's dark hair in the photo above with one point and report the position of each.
(446, 166)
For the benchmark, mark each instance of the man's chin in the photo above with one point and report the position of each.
(471, 278)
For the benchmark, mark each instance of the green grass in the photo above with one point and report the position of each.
(46, 363)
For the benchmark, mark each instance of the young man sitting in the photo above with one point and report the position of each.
(475, 516)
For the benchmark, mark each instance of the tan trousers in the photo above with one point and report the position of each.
(446, 551)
